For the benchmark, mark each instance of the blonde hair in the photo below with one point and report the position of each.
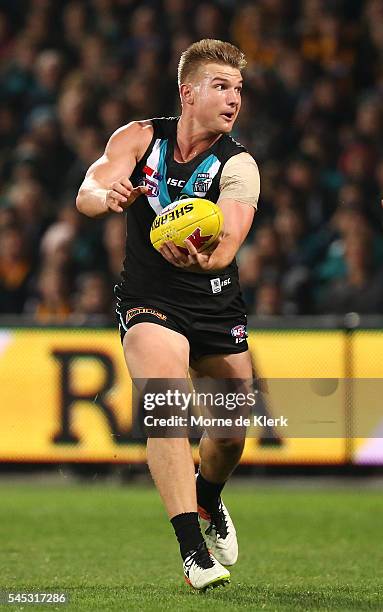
(206, 51)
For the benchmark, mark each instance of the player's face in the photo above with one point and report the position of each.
(217, 97)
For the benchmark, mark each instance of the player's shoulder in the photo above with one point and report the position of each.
(241, 157)
(165, 127)
(138, 129)
(144, 129)
(135, 135)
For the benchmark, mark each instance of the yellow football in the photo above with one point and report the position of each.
(197, 219)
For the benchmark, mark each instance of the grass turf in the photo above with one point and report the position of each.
(111, 548)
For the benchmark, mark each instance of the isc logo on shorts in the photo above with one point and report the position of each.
(217, 284)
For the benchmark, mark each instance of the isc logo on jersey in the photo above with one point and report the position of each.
(175, 182)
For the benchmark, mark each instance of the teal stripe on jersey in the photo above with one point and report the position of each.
(163, 195)
(204, 168)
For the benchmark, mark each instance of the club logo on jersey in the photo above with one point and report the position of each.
(239, 333)
(150, 180)
(133, 312)
(202, 184)
(218, 284)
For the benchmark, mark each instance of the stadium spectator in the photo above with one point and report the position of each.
(93, 300)
(30, 202)
(15, 269)
(51, 303)
(114, 240)
(268, 300)
(361, 289)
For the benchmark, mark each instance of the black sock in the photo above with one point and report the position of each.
(208, 493)
(188, 531)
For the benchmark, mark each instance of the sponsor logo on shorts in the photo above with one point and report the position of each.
(133, 312)
(239, 333)
(202, 183)
(217, 284)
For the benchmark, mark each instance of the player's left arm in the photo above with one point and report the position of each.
(239, 193)
(238, 218)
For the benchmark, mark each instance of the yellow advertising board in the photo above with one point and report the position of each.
(297, 354)
(367, 352)
(65, 395)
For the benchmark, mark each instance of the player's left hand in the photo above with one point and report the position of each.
(203, 261)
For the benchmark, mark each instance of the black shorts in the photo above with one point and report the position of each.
(210, 331)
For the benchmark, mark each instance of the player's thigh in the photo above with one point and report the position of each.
(235, 365)
(154, 351)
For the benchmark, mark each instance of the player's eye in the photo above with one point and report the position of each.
(220, 86)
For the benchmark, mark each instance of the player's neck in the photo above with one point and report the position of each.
(192, 139)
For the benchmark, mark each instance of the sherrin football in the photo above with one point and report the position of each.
(199, 220)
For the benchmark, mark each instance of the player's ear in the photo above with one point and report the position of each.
(187, 93)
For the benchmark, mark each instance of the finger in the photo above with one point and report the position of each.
(115, 195)
(190, 247)
(176, 252)
(137, 192)
(121, 189)
(166, 252)
(126, 182)
(168, 255)
(202, 259)
(113, 205)
(141, 189)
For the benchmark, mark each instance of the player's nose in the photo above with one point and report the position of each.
(232, 97)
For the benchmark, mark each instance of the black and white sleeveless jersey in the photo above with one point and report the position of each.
(147, 276)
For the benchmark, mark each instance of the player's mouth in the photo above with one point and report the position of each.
(229, 116)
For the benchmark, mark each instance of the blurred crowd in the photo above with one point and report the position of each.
(71, 72)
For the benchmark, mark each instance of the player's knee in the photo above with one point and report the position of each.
(231, 446)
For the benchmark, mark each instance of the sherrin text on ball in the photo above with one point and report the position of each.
(195, 219)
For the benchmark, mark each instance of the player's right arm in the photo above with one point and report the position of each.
(107, 186)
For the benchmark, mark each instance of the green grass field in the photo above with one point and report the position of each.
(112, 548)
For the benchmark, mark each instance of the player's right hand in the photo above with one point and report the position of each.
(122, 194)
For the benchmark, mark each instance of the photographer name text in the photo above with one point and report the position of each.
(203, 421)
